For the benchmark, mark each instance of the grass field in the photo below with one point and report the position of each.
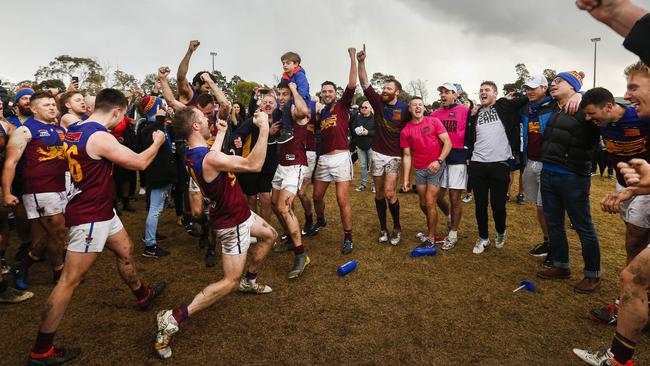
(456, 308)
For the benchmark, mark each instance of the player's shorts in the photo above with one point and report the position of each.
(531, 181)
(335, 167)
(635, 211)
(193, 187)
(44, 204)
(427, 177)
(311, 165)
(288, 178)
(381, 164)
(92, 237)
(454, 176)
(69, 186)
(236, 240)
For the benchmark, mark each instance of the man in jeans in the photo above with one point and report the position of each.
(363, 126)
(534, 117)
(568, 145)
(161, 174)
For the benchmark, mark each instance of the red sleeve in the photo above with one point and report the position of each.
(375, 101)
(440, 128)
(346, 98)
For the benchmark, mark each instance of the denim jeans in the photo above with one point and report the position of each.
(570, 193)
(157, 200)
(364, 158)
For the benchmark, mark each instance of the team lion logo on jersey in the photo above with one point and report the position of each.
(328, 122)
(52, 152)
(61, 135)
(397, 115)
(533, 127)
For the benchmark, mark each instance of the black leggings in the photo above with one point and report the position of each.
(492, 179)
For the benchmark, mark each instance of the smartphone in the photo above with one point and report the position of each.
(75, 79)
(264, 90)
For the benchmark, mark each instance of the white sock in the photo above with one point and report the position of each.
(453, 234)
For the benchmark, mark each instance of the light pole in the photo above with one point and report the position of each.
(213, 54)
(595, 40)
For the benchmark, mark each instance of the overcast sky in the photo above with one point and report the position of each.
(436, 41)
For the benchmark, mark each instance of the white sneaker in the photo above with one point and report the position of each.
(500, 241)
(395, 237)
(383, 236)
(450, 242)
(467, 198)
(421, 237)
(142, 192)
(253, 287)
(167, 326)
(481, 245)
(596, 358)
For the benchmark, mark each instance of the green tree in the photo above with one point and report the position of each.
(52, 83)
(242, 92)
(150, 81)
(418, 87)
(64, 67)
(522, 75)
(121, 80)
(549, 74)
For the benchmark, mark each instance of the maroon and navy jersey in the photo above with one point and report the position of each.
(310, 139)
(389, 121)
(335, 122)
(94, 193)
(228, 207)
(627, 139)
(43, 160)
(294, 152)
(4, 138)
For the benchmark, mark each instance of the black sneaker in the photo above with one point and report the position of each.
(60, 356)
(284, 237)
(607, 314)
(23, 250)
(548, 262)
(347, 247)
(308, 230)
(154, 292)
(210, 258)
(160, 237)
(540, 250)
(128, 208)
(319, 225)
(520, 199)
(285, 136)
(283, 247)
(154, 252)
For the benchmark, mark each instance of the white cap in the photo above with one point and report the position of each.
(448, 86)
(536, 81)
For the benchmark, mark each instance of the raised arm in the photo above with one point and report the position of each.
(352, 79)
(253, 162)
(17, 143)
(302, 110)
(620, 15)
(167, 93)
(184, 88)
(363, 75)
(219, 95)
(104, 145)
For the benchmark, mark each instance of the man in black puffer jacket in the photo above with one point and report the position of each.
(568, 146)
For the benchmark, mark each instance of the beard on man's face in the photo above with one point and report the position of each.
(24, 111)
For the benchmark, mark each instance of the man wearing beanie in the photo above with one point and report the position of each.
(21, 101)
(161, 173)
(568, 145)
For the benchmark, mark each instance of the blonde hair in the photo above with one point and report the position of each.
(637, 68)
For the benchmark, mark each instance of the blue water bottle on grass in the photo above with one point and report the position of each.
(420, 252)
(347, 268)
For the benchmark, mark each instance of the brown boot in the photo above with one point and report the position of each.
(587, 285)
(555, 273)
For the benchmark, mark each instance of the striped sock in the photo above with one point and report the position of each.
(180, 313)
(622, 348)
(298, 250)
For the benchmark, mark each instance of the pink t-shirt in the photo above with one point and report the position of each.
(423, 140)
(455, 120)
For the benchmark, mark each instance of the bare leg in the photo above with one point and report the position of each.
(319, 193)
(120, 244)
(455, 197)
(344, 204)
